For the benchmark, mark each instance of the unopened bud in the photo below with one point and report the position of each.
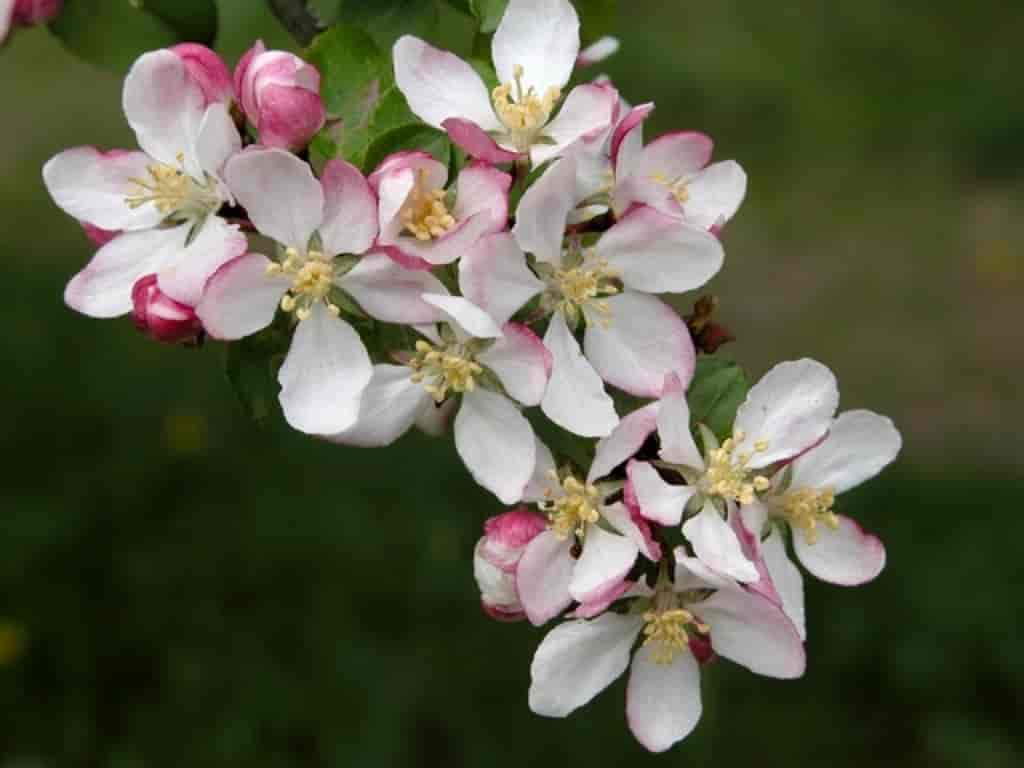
(159, 316)
(208, 70)
(496, 557)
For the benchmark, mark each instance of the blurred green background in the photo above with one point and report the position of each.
(179, 587)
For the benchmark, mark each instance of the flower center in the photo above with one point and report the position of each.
(727, 474)
(444, 370)
(805, 509)
(174, 193)
(523, 112)
(570, 513)
(425, 214)
(580, 290)
(679, 188)
(312, 278)
(668, 626)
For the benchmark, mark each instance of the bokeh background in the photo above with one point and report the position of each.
(179, 587)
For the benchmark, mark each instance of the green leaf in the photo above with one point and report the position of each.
(114, 33)
(718, 388)
(251, 366)
(488, 13)
(387, 20)
(461, 5)
(415, 136)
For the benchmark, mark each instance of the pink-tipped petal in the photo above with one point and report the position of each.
(599, 604)
(658, 501)
(625, 440)
(241, 298)
(184, 275)
(496, 443)
(493, 275)
(521, 362)
(475, 142)
(392, 294)
(289, 116)
(848, 555)
(630, 524)
(389, 406)
(715, 194)
(483, 190)
(587, 114)
(786, 580)
(208, 70)
(716, 545)
(542, 577)
(606, 560)
(350, 210)
(662, 700)
(627, 139)
(507, 535)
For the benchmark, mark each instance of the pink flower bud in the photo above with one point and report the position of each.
(495, 559)
(99, 237)
(208, 70)
(26, 13)
(280, 94)
(159, 316)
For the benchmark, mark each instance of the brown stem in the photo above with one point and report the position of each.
(297, 18)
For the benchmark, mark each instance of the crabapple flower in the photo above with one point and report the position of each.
(159, 316)
(208, 70)
(588, 549)
(280, 94)
(421, 223)
(26, 13)
(632, 340)
(324, 227)
(579, 659)
(785, 413)
(495, 559)
(491, 369)
(163, 200)
(534, 51)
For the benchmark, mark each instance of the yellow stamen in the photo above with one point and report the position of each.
(806, 508)
(425, 214)
(174, 192)
(727, 475)
(448, 369)
(678, 188)
(570, 513)
(312, 277)
(580, 290)
(523, 112)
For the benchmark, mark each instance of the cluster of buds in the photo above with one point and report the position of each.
(410, 299)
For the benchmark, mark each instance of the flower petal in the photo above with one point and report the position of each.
(241, 298)
(104, 287)
(278, 190)
(540, 36)
(624, 441)
(483, 189)
(716, 545)
(522, 363)
(543, 485)
(790, 408)
(677, 445)
(350, 210)
(715, 194)
(676, 155)
(542, 577)
(751, 631)
(465, 316)
(634, 528)
(588, 113)
(92, 185)
(324, 375)
(789, 584)
(656, 253)
(217, 140)
(662, 700)
(628, 140)
(544, 209)
(606, 560)
(184, 275)
(579, 659)
(494, 276)
(860, 444)
(645, 341)
(446, 249)
(388, 407)
(475, 142)
(848, 556)
(390, 293)
(439, 85)
(436, 420)
(496, 443)
(658, 501)
(575, 399)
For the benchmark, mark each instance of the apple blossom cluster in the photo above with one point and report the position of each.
(518, 297)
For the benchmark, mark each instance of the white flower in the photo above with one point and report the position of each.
(163, 199)
(534, 49)
(579, 659)
(632, 339)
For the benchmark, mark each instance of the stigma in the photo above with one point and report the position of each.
(444, 370)
(523, 112)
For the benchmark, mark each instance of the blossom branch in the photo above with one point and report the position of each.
(297, 18)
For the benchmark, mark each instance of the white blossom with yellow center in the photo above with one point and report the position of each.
(445, 369)
(425, 214)
(312, 275)
(174, 192)
(570, 513)
(522, 110)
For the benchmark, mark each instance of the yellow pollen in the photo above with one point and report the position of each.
(806, 508)
(727, 475)
(425, 214)
(581, 290)
(523, 112)
(665, 631)
(570, 513)
(312, 277)
(678, 188)
(444, 370)
(172, 191)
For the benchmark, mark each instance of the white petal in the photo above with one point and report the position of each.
(662, 700)
(860, 444)
(676, 155)
(496, 443)
(218, 139)
(598, 51)
(482, 188)
(715, 194)
(656, 253)
(579, 659)
(542, 485)
(677, 445)
(751, 631)
(628, 140)
(184, 275)
(448, 248)
(716, 545)
(624, 441)
(790, 408)
(587, 112)
(606, 560)
(645, 341)
(389, 406)
(522, 363)
(241, 298)
(465, 316)
(279, 192)
(434, 421)
(542, 37)
(92, 185)
(439, 85)
(786, 578)
(542, 577)
(350, 210)
(324, 375)
(497, 586)
(393, 190)
(659, 501)
(848, 556)
(390, 293)
(543, 210)
(104, 287)
(621, 519)
(575, 399)
(165, 107)
(494, 276)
